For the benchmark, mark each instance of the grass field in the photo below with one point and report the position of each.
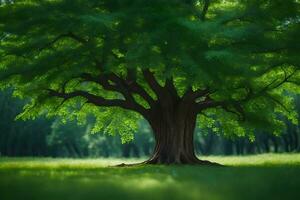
(267, 176)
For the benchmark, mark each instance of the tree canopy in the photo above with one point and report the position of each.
(237, 60)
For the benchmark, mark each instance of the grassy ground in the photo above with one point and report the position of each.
(267, 176)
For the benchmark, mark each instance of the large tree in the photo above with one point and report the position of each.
(228, 63)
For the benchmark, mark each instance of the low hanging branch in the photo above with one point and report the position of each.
(99, 101)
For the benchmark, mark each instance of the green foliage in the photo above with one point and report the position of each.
(245, 51)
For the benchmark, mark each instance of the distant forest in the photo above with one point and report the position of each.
(50, 137)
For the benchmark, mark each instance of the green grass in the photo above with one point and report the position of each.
(267, 176)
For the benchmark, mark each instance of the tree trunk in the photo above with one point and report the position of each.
(174, 135)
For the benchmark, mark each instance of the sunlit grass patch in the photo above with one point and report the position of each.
(257, 160)
(50, 163)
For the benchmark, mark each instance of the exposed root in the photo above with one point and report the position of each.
(208, 163)
(130, 165)
(152, 162)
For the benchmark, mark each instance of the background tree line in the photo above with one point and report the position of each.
(50, 137)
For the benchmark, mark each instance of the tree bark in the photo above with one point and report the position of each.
(174, 134)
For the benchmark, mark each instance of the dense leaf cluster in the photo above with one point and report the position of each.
(68, 56)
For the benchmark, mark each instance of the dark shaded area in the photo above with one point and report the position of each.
(49, 137)
(21, 138)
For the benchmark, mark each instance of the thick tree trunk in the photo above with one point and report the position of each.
(173, 120)
(174, 135)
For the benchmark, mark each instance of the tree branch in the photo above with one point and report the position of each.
(205, 9)
(152, 82)
(119, 84)
(278, 102)
(171, 87)
(130, 85)
(136, 88)
(190, 94)
(61, 36)
(226, 105)
(237, 104)
(285, 80)
(98, 101)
